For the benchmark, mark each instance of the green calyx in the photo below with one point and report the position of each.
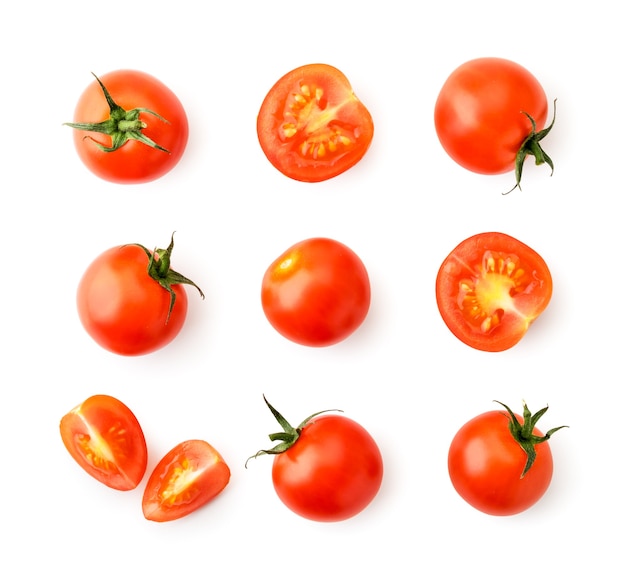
(122, 125)
(288, 436)
(159, 269)
(531, 146)
(523, 433)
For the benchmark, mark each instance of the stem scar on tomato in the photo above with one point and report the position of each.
(122, 125)
(523, 433)
(531, 146)
(289, 435)
(159, 270)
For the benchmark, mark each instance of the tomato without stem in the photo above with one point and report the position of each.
(130, 301)
(327, 469)
(129, 127)
(490, 289)
(105, 439)
(316, 293)
(489, 117)
(500, 462)
(311, 126)
(187, 478)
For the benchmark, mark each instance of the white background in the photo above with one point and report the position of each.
(402, 209)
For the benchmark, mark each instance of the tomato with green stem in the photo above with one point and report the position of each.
(311, 125)
(131, 302)
(500, 462)
(105, 438)
(129, 127)
(490, 115)
(327, 469)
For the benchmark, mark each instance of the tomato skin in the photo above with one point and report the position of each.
(479, 115)
(187, 478)
(316, 293)
(485, 463)
(134, 162)
(332, 472)
(105, 438)
(484, 305)
(313, 138)
(123, 309)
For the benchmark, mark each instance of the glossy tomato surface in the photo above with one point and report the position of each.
(486, 463)
(105, 439)
(316, 293)
(134, 162)
(332, 472)
(187, 478)
(123, 309)
(479, 113)
(490, 289)
(311, 126)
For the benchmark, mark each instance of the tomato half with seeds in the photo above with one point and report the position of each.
(490, 289)
(316, 293)
(105, 438)
(131, 302)
(129, 127)
(500, 462)
(187, 478)
(311, 125)
(490, 115)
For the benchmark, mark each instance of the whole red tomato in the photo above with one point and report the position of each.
(500, 463)
(327, 469)
(129, 127)
(316, 293)
(130, 301)
(311, 126)
(489, 117)
(105, 439)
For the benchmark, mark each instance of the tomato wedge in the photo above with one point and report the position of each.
(311, 126)
(489, 290)
(105, 438)
(188, 477)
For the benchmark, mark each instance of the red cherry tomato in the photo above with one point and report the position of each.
(311, 126)
(187, 478)
(105, 439)
(490, 289)
(316, 293)
(129, 127)
(500, 463)
(130, 302)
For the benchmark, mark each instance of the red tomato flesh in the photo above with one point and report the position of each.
(490, 289)
(311, 126)
(105, 439)
(187, 478)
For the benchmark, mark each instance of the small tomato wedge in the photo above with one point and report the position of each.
(105, 439)
(187, 478)
(311, 126)
(490, 289)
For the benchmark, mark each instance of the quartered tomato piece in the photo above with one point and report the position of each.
(311, 125)
(105, 438)
(188, 477)
(490, 289)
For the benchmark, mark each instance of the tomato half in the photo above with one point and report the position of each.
(105, 439)
(490, 289)
(130, 302)
(500, 468)
(187, 478)
(485, 113)
(316, 293)
(311, 126)
(327, 469)
(141, 114)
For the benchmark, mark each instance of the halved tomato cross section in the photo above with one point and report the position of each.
(489, 290)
